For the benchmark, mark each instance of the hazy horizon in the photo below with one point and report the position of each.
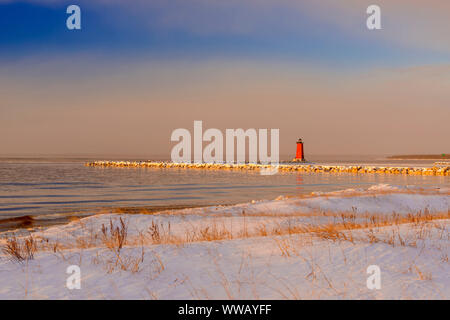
(132, 75)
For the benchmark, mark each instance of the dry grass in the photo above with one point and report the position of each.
(343, 226)
(422, 275)
(115, 237)
(20, 250)
(111, 238)
(124, 262)
(212, 232)
(158, 232)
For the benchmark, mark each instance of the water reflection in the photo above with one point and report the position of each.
(48, 188)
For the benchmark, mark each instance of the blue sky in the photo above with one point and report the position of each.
(240, 30)
(139, 69)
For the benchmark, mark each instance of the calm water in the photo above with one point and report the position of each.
(49, 188)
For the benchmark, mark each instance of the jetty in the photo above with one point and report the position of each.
(436, 170)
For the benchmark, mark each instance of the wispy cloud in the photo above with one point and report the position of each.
(311, 68)
(55, 107)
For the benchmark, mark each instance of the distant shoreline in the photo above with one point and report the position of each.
(421, 157)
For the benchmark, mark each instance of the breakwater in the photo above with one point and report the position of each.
(286, 167)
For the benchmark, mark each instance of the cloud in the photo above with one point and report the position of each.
(412, 23)
(416, 23)
(56, 107)
(321, 29)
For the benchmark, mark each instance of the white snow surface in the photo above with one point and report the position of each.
(414, 264)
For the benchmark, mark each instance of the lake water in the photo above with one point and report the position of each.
(52, 189)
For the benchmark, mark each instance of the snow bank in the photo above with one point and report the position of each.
(414, 264)
(380, 198)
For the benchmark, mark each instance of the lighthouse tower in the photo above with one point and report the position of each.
(300, 154)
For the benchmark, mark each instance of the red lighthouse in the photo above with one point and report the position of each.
(299, 155)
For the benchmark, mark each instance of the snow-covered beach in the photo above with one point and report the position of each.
(315, 246)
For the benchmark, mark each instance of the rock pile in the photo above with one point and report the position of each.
(432, 171)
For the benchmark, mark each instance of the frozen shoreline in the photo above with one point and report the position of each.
(273, 249)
